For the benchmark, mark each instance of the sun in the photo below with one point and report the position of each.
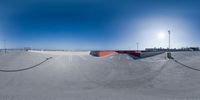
(161, 35)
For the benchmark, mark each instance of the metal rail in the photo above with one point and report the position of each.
(23, 69)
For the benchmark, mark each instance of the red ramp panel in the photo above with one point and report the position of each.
(102, 53)
(106, 53)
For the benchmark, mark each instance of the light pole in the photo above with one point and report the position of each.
(169, 40)
(4, 45)
(137, 46)
(169, 56)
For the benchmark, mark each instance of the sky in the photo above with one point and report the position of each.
(99, 24)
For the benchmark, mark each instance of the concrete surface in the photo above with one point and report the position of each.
(75, 76)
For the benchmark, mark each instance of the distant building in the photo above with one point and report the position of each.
(27, 48)
(173, 49)
(194, 48)
(155, 49)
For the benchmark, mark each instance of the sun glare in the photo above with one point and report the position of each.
(161, 35)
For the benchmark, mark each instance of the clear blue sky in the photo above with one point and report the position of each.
(99, 24)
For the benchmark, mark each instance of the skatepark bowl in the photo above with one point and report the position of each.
(76, 75)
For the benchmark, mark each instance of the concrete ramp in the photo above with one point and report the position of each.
(20, 60)
(121, 70)
(175, 80)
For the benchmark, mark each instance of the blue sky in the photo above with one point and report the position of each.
(99, 24)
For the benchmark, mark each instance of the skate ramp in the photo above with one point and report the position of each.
(20, 60)
(121, 71)
(150, 76)
(175, 80)
(191, 59)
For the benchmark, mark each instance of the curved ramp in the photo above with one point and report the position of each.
(175, 80)
(121, 70)
(19, 61)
